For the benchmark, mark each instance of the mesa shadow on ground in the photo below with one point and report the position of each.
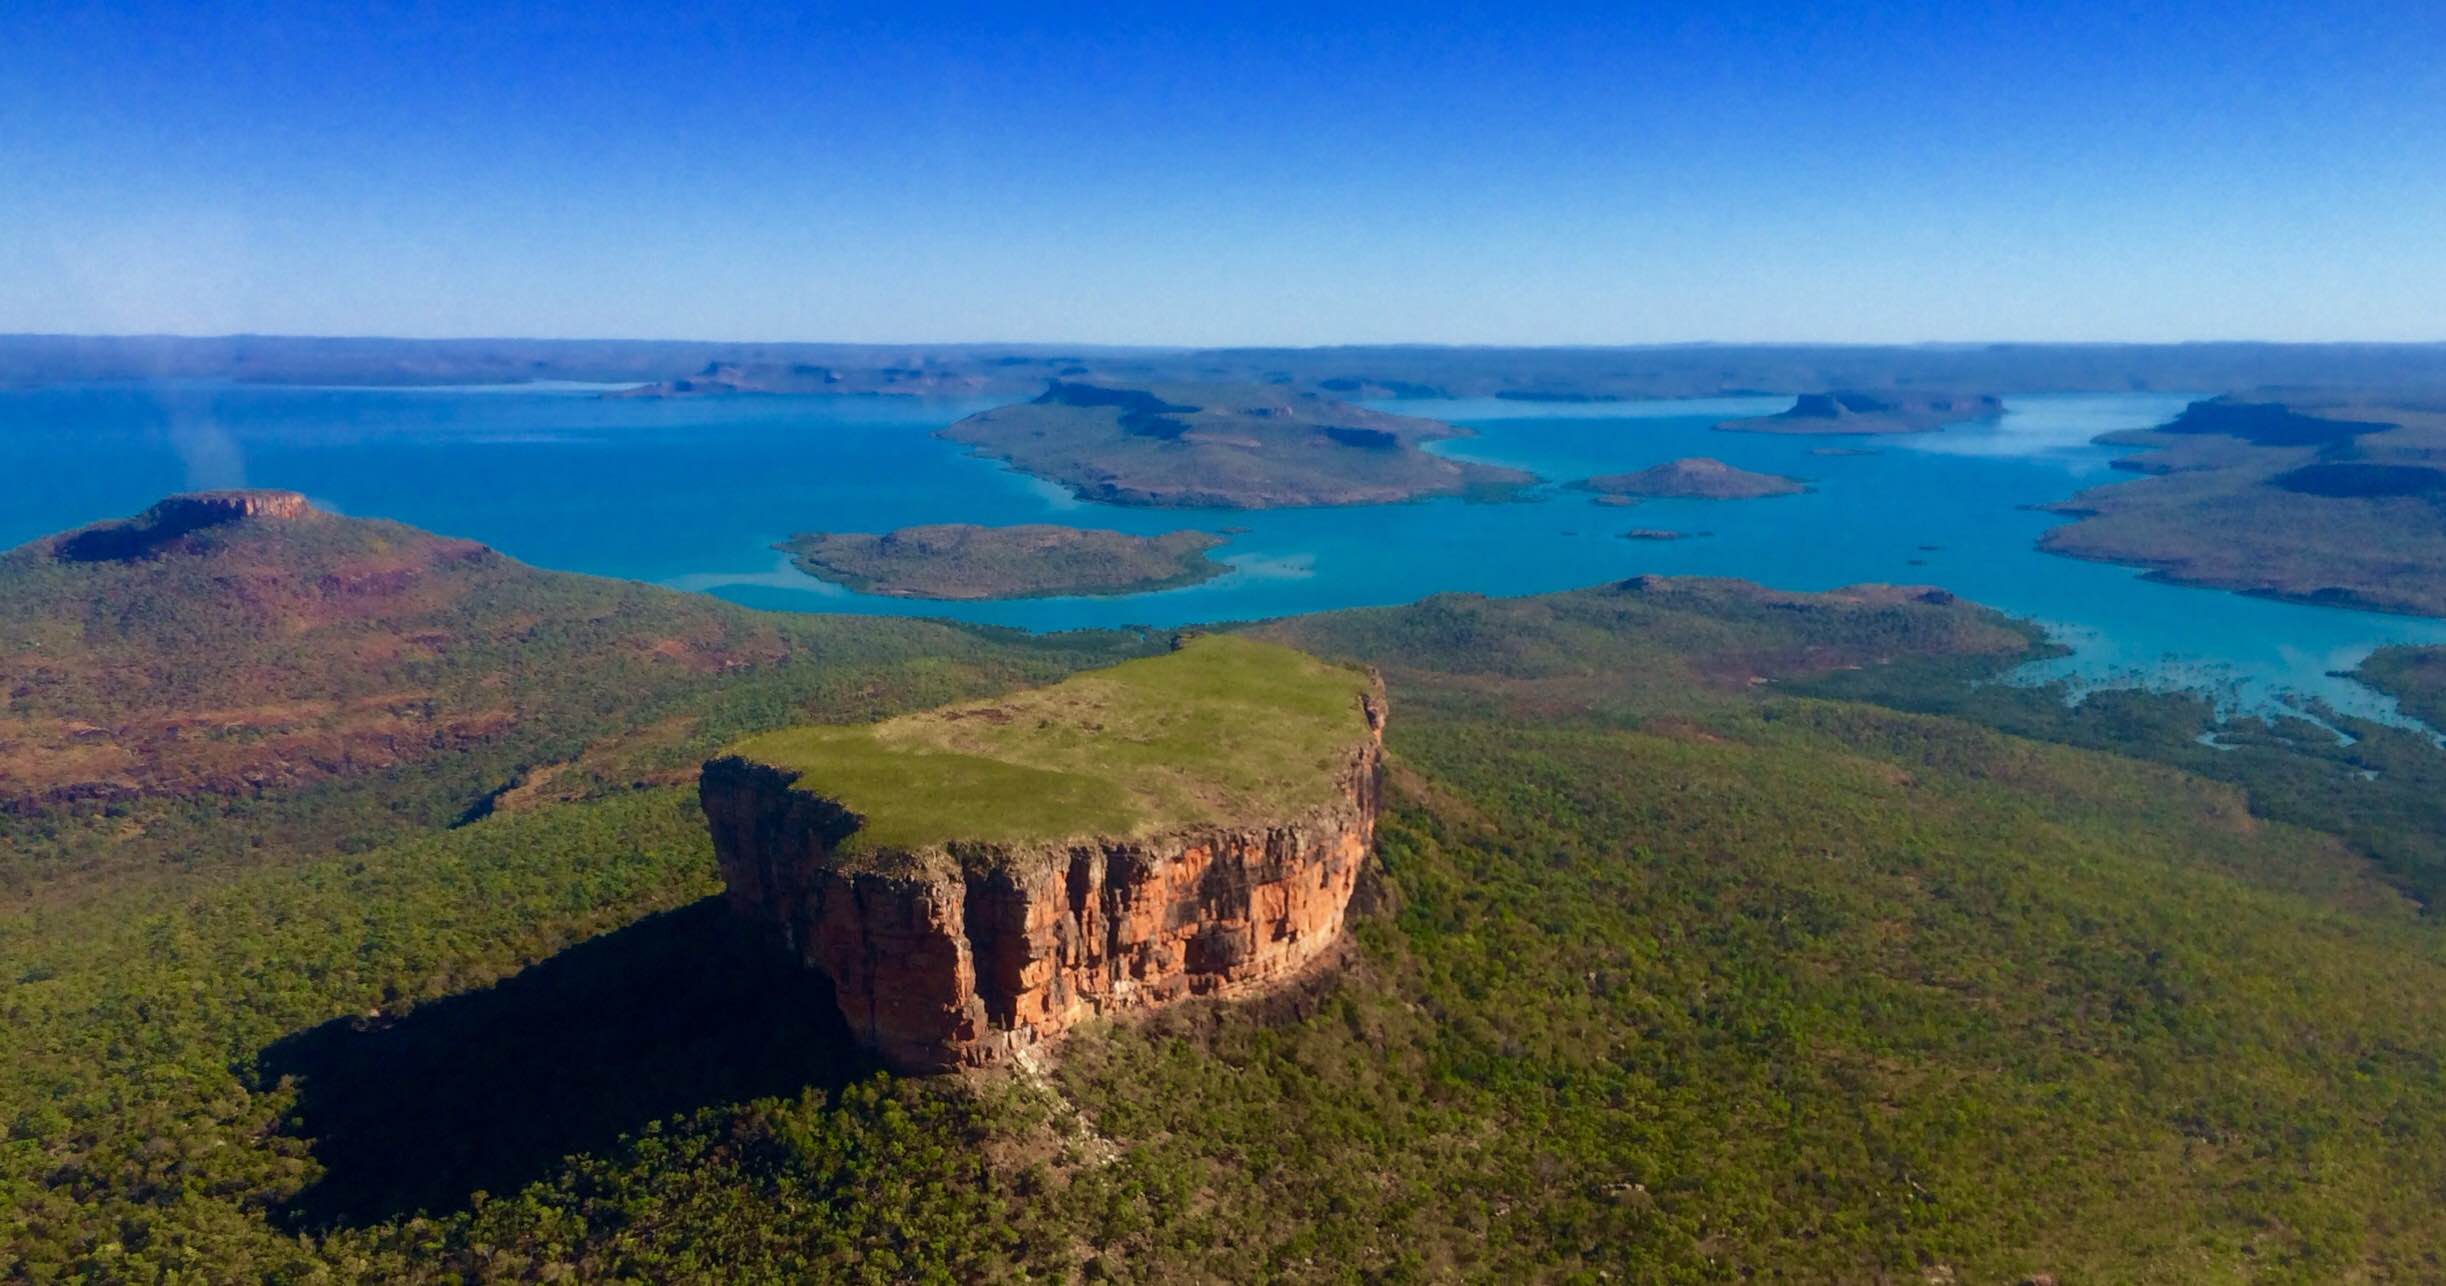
(489, 1090)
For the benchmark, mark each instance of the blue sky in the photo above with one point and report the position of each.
(1244, 174)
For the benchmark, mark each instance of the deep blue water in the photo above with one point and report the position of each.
(694, 493)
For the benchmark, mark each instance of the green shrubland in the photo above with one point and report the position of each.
(1687, 956)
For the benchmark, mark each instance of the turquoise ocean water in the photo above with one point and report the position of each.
(693, 494)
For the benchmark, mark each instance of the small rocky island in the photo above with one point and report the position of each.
(1695, 478)
(978, 879)
(1877, 411)
(1036, 560)
(1227, 446)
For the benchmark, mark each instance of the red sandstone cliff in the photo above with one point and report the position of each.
(204, 508)
(162, 526)
(940, 972)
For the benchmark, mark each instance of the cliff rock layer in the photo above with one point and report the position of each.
(161, 526)
(939, 965)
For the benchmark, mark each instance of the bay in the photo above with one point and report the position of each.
(693, 494)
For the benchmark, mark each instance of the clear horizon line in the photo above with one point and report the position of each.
(1110, 345)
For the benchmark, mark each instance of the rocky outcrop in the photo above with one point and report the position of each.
(943, 965)
(173, 518)
(1847, 411)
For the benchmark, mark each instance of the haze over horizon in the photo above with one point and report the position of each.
(1752, 173)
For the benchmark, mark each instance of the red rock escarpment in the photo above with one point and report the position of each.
(935, 972)
(205, 508)
(162, 525)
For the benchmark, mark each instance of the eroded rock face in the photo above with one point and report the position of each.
(162, 525)
(936, 972)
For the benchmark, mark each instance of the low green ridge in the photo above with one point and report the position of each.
(1033, 560)
(1222, 729)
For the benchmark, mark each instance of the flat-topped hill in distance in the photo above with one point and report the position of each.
(163, 528)
(2302, 419)
(2324, 496)
(967, 561)
(1231, 446)
(246, 650)
(1873, 411)
(261, 641)
(1222, 731)
(1693, 478)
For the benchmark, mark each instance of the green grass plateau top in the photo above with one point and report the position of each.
(1221, 730)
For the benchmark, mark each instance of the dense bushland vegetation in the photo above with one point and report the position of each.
(2380, 787)
(1675, 967)
(2414, 676)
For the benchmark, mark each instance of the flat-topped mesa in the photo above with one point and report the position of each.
(205, 508)
(173, 517)
(1861, 411)
(978, 879)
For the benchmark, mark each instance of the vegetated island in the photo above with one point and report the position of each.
(1695, 478)
(1877, 411)
(2327, 497)
(1188, 824)
(1034, 560)
(1225, 446)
